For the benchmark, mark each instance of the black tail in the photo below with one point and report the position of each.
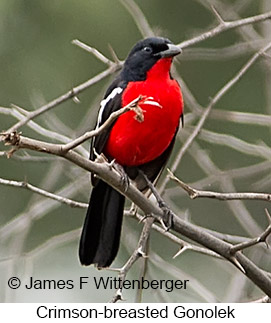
(102, 227)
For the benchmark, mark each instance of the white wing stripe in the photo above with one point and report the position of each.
(104, 102)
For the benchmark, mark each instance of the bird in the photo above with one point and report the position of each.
(138, 145)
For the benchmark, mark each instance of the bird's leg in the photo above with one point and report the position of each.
(167, 219)
(125, 182)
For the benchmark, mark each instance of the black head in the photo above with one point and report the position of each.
(145, 54)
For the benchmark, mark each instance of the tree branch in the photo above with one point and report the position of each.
(93, 51)
(42, 192)
(70, 94)
(109, 175)
(224, 26)
(19, 113)
(140, 251)
(194, 193)
(139, 17)
(252, 242)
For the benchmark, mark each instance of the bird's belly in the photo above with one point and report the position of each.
(132, 142)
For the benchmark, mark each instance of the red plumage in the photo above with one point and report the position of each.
(133, 143)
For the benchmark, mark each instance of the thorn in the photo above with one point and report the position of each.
(182, 250)
(76, 100)
(118, 270)
(112, 163)
(218, 16)
(11, 152)
(100, 158)
(238, 265)
(191, 191)
(268, 215)
(114, 55)
(163, 225)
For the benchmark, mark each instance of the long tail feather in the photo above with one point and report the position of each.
(100, 236)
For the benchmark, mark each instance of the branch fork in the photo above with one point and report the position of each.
(262, 238)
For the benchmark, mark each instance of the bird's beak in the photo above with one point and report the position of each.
(172, 50)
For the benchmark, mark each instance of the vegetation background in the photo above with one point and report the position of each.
(39, 63)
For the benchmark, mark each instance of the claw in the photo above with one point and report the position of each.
(144, 217)
(124, 180)
(167, 219)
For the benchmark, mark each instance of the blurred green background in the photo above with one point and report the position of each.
(38, 63)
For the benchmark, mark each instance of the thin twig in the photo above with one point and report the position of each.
(222, 53)
(239, 210)
(139, 17)
(42, 192)
(38, 210)
(15, 112)
(140, 251)
(237, 144)
(71, 93)
(252, 242)
(224, 26)
(195, 193)
(242, 117)
(93, 51)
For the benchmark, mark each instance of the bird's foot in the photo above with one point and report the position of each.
(167, 218)
(124, 180)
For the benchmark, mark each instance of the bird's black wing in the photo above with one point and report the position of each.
(100, 236)
(110, 103)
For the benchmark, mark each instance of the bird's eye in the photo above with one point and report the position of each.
(147, 49)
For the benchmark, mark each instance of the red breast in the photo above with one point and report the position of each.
(134, 143)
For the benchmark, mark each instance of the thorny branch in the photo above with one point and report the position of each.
(44, 193)
(213, 246)
(225, 26)
(262, 238)
(140, 251)
(104, 171)
(194, 193)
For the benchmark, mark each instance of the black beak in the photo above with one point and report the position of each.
(172, 50)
